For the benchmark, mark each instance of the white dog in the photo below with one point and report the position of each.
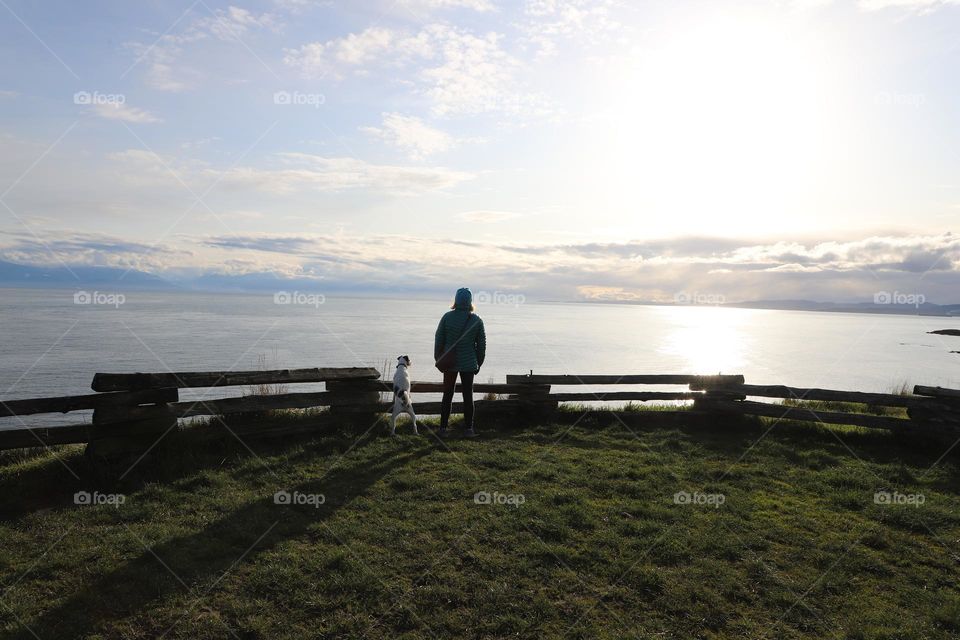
(401, 395)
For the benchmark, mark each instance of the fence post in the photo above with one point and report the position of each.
(717, 399)
(355, 402)
(121, 432)
(938, 417)
(535, 401)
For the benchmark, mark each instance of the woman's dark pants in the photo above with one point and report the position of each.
(466, 387)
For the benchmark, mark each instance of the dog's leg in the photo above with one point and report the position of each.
(413, 416)
(408, 409)
(393, 417)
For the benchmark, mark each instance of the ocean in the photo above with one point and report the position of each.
(54, 341)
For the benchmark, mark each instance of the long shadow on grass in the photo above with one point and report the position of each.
(194, 564)
(44, 483)
(49, 483)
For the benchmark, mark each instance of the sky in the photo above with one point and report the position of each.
(587, 149)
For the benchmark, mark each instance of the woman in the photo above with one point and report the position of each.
(459, 348)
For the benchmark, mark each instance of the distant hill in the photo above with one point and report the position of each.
(19, 275)
(27, 276)
(248, 282)
(925, 309)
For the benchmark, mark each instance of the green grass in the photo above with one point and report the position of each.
(847, 407)
(798, 549)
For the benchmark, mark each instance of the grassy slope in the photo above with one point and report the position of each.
(400, 549)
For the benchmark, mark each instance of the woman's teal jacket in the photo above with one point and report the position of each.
(472, 347)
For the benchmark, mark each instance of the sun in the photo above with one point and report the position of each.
(714, 125)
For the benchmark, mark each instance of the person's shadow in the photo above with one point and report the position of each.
(195, 562)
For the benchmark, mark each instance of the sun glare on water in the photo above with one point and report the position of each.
(707, 340)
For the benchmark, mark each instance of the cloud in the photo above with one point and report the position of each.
(654, 270)
(165, 77)
(357, 49)
(233, 23)
(806, 5)
(7, 93)
(412, 135)
(461, 73)
(162, 56)
(609, 294)
(549, 21)
(89, 249)
(284, 174)
(487, 216)
(299, 6)
(199, 142)
(476, 5)
(121, 111)
(144, 168)
(921, 6)
(276, 244)
(335, 56)
(471, 76)
(162, 60)
(329, 174)
(916, 6)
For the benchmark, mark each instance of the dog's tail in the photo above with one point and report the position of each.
(405, 396)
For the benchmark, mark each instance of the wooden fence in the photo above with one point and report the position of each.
(132, 411)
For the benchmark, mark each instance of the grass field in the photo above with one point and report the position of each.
(781, 538)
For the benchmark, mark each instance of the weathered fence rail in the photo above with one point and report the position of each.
(937, 392)
(138, 381)
(67, 404)
(794, 393)
(593, 379)
(131, 411)
(809, 414)
(251, 404)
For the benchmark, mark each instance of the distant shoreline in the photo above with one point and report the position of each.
(925, 310)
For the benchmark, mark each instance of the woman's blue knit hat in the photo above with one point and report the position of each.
(464, 298)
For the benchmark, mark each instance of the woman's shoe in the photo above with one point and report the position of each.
(470, 433)
(443, 433)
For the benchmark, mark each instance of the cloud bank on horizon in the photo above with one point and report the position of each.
(570, 149)
(647, 271)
